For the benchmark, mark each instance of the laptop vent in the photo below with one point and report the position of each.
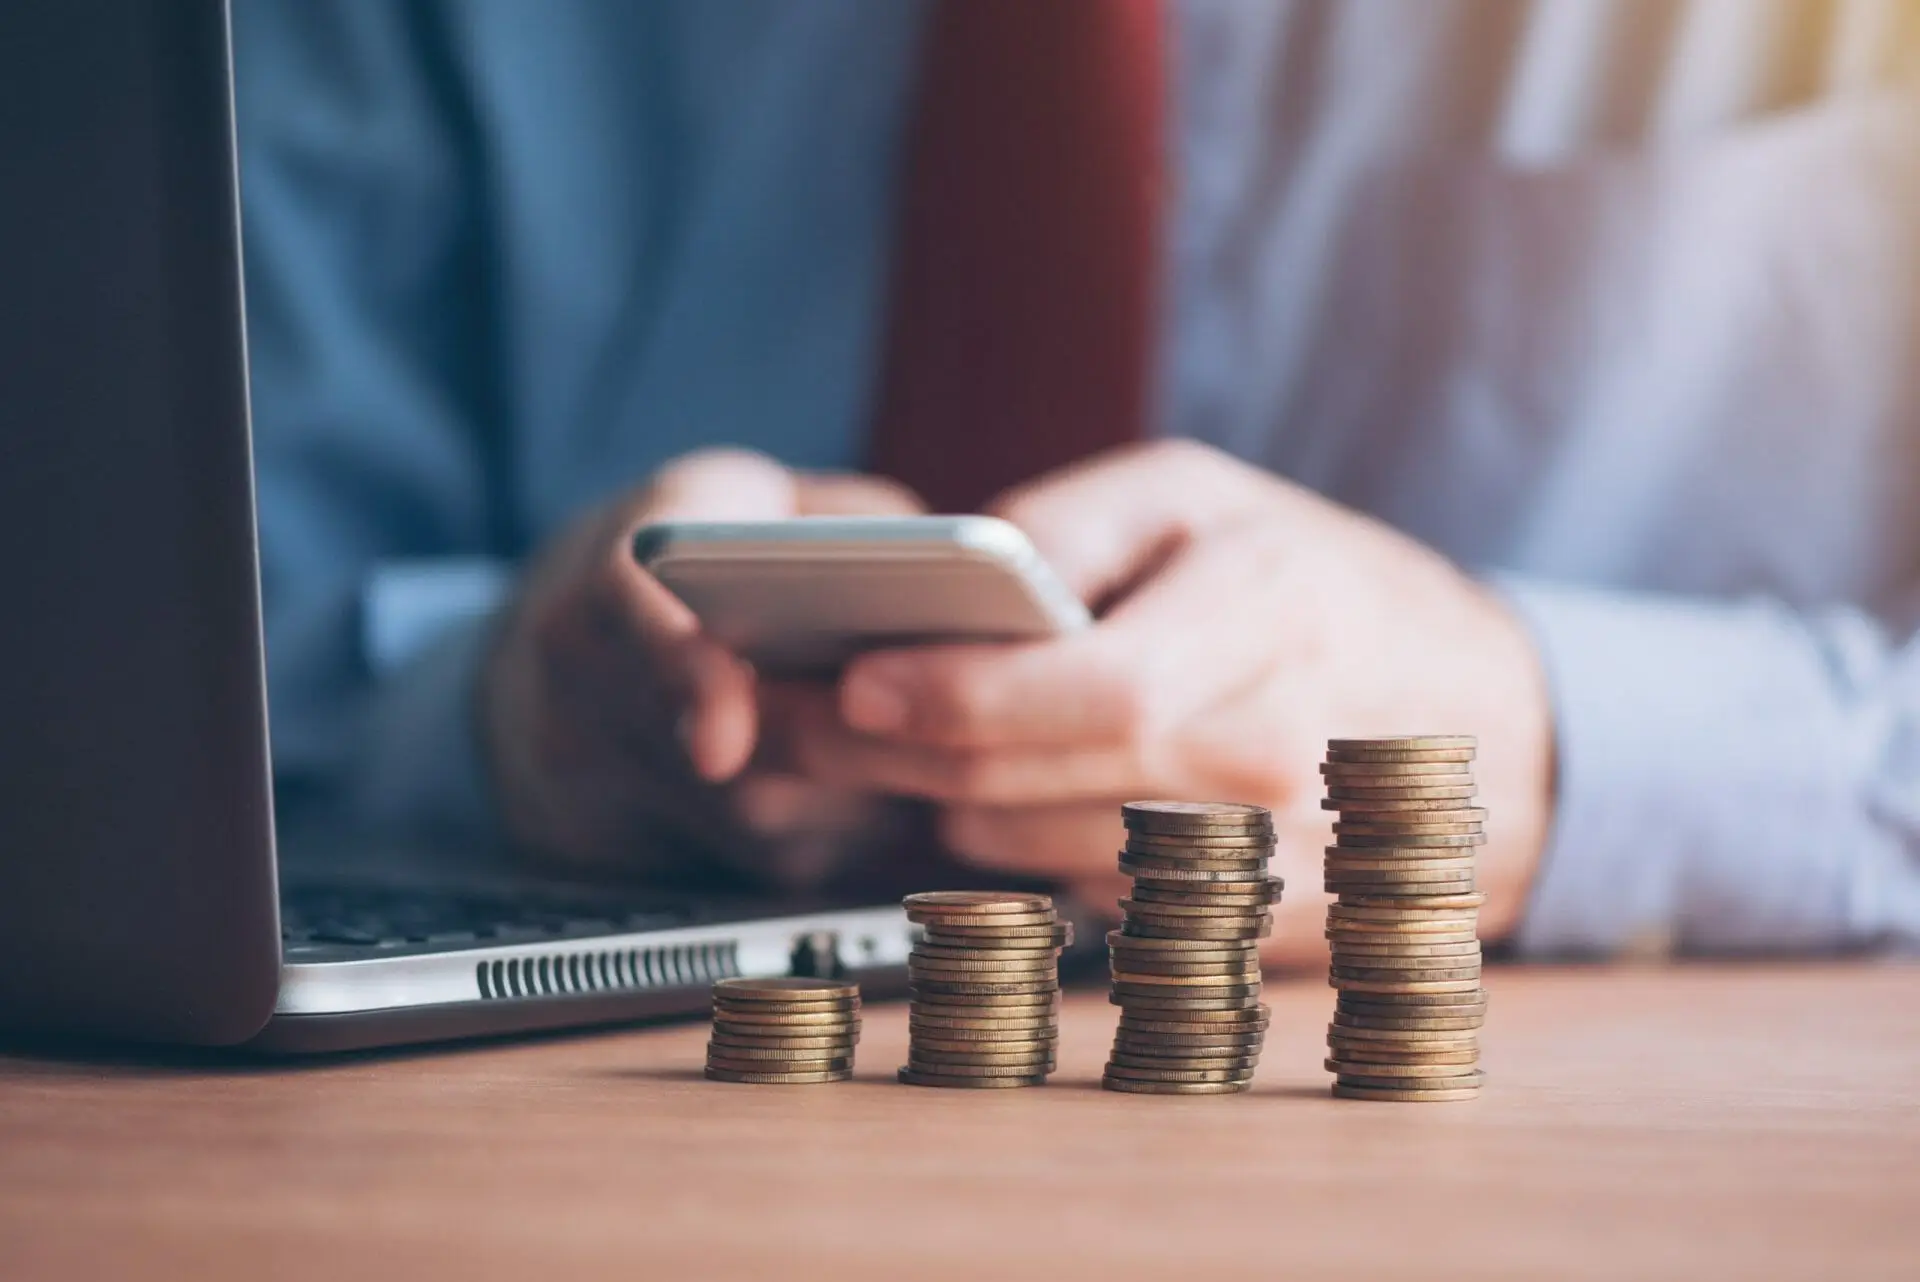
(685, 965)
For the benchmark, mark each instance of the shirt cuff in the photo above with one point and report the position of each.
(1705, 799)
(422, 771)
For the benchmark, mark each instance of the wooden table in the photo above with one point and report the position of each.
(1691, 1123)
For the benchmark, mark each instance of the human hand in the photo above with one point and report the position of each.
(612, 723)
(1244, 621)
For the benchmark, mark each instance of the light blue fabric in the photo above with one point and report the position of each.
(1614, 304)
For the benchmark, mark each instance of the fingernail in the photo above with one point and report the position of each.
(873, 702)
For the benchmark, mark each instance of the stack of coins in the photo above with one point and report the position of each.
(985, 978)
(1405, 927)
(1186, 963)
(776, 1032)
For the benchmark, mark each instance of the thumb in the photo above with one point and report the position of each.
(1106, 523)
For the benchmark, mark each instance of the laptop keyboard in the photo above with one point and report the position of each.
(387, 917)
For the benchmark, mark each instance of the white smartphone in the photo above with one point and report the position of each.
(800, 597)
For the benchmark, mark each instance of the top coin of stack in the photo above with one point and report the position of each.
(783, 1031)
(1186, 963)
(985, 977)
(1404, 929)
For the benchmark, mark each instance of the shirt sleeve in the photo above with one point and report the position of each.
(382, 545)
(1733, 776)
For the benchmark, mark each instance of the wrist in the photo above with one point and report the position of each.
(1515, 766)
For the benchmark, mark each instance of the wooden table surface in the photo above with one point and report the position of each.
(1691, 1122)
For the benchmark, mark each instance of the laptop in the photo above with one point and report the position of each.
(140, 892)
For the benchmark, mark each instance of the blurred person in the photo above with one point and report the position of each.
(1535, 368)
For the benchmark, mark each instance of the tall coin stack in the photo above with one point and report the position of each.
(776, 1032)
(1186, 963)
(986, 984)
(1405, 927)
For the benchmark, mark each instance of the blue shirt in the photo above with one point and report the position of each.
(1614, 308)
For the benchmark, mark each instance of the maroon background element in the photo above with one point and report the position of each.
(1027, 266)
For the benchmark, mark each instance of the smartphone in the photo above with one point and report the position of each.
(800, 597)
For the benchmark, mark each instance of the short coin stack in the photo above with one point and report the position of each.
(986, 986)
(783, 1031)
(1186, 962)
(1404, 930)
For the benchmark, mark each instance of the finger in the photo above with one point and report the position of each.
(1193, 633)
(829, 752)
(718, 485)
(1077, 689)
(851, 494)
(718, 719)
(1103, 523)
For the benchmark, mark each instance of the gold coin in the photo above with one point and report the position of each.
(1239, 973)
(1351, 1021)
(1373, 1052)
(1185, 816)
(1341, 941)
(1343, 948)
(1148, 930)
(785, 1043)
(1408, 986)
(1419, 822)
(1403, 1076)
(1175, 1088)
(1397, 756)
(1230, 1065)
(1055, 936)
(1402, 1036)
(1251, 870)
(1251, 878)
(1220, 896)
(777, 1079)
(1381, 809)
(1389, 769)
(785, 989)
(944, 966)
(1136, 994)
(1042, 1046)
(1456, 910)
(988, 1006)
(977, 902)
(1246, 1044)
(743, 1064)
(1405, 1097)
(1342, 957)
(1224, 845)
(963, 1063)
(825, 1020)
(1185, 1006)
(1449, 907)
(1422, 1001)
(1344, 841)
(1239, 919)
(1198, 914)
(912, 1077)
(1406, 743)
(996, 920)
(1456, 788)
(1398, 871)
(1194, 1026)
(1407, 973)
(1127, 1073)
(981, 988)
(971, 1070)
(725, 1053)
(1170, 948)
(981, 1029)
(1244, 957)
